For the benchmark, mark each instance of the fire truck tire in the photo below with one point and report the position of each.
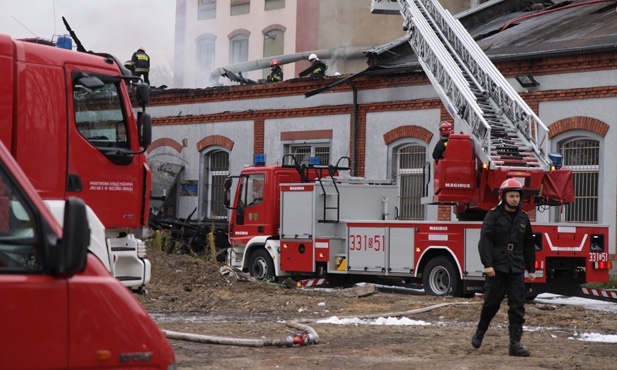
(440, 278)
(261, 266)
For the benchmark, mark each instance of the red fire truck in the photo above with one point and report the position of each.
(61, 309)
(303, 219)
(68, 120)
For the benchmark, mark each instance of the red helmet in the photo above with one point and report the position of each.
(510, 185)
(445, 129)
(274, 62)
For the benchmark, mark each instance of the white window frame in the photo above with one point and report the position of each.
(206, 184)
(240, 42)
(314, 146)
(559, 214)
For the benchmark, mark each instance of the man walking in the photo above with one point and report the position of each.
(506, 250)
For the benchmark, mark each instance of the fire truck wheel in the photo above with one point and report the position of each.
(440, 278)
(261, 266)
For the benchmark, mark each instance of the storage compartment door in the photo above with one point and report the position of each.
(473, 267)
(401, 247)
(297, 215)
(366, 249)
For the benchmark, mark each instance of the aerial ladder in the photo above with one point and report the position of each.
(500, 135)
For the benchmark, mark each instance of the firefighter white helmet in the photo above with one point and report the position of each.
(313, 57)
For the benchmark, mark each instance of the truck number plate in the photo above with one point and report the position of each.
(363, 242)
(598, 257)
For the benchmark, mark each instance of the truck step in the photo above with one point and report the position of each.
(128, 278)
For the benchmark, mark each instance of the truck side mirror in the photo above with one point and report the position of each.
(142, 93)
(227, 187)
(75, 237)
(90, 82)
(144, 125)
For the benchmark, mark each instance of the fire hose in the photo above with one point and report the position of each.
(306, 337)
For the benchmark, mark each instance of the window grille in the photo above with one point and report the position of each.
(409, 174)
(303, 153)
(582, 156)
(219, 170)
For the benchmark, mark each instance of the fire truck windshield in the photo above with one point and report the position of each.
(99, 116)
(17, 229)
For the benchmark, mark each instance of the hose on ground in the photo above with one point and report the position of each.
(396, 314)
(308, 335)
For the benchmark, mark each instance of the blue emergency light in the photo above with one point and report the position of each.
(315, 161)
(556, 159)
(260, 160)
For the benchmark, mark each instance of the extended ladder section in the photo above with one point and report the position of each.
(507, 134)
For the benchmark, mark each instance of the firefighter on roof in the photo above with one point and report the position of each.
(506, 250)
(141, 63)
(276, 73)
(445, 129)
(317, 68)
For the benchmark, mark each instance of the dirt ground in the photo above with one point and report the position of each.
(189, 295)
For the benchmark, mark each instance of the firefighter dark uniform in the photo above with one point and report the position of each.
(130, 65)
(440, 149)
(317, 68)
(506, 244)
(276, 73)
(445, 129)
(141, 63)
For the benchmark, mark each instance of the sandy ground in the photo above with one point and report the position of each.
(188, 295)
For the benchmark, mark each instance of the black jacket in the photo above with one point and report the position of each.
(276, 75)
(316, 70)
(141, 61)
(500, 229)
(440, 149)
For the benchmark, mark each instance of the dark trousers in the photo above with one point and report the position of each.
(144, 75)
(496, 288)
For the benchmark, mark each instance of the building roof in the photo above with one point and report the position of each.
(566, 28)
(518, 29)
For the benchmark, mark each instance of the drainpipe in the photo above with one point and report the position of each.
(251, 65)
(354, 119)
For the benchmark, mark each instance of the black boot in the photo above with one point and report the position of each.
(476, 340)
(516, 348)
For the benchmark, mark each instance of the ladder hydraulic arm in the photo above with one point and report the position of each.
(507, 138)
(506, 132)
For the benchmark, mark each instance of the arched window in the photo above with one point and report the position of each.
(215, 169)
(274, 40)
(409, 160)
(238, 48)
(205, 58)
(582, 156)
